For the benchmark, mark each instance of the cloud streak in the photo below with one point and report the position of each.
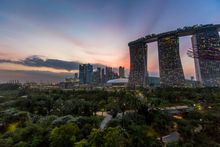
(38, 61)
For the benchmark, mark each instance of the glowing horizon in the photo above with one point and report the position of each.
(97, 31)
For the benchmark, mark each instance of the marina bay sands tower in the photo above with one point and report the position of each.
(138, 72)
(207, 69)
(171, 71)
(206, 52)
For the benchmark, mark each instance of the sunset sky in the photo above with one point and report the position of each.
(42, 39)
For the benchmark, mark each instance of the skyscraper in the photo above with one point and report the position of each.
(207, 70)
(97, 76)
(171, 71)
(109, 73)
(121, 72)
(103, 76)
(85, 73)
(138, 64)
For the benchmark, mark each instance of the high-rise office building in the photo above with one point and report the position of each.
(204, 44)
(108, 73)
(85, 74)
(115, 75)
(103, 76)
(121, 72)
(97, 76)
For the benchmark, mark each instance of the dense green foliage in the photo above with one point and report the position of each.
(57, 118)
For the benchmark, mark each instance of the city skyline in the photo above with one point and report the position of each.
(90, 32)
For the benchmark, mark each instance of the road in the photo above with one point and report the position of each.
(107, 118)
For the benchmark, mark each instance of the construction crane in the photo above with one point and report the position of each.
(206, 54)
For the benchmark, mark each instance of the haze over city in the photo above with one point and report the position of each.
(47, 40)
(109, 73)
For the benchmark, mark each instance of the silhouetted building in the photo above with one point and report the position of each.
(85, 73)
(103, 76)
(115, 75)
(97, 76)
(108, 73)
(121, 72)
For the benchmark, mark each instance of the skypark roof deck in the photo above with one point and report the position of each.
(180, 32)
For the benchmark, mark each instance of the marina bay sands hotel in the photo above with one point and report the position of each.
(205, 39)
